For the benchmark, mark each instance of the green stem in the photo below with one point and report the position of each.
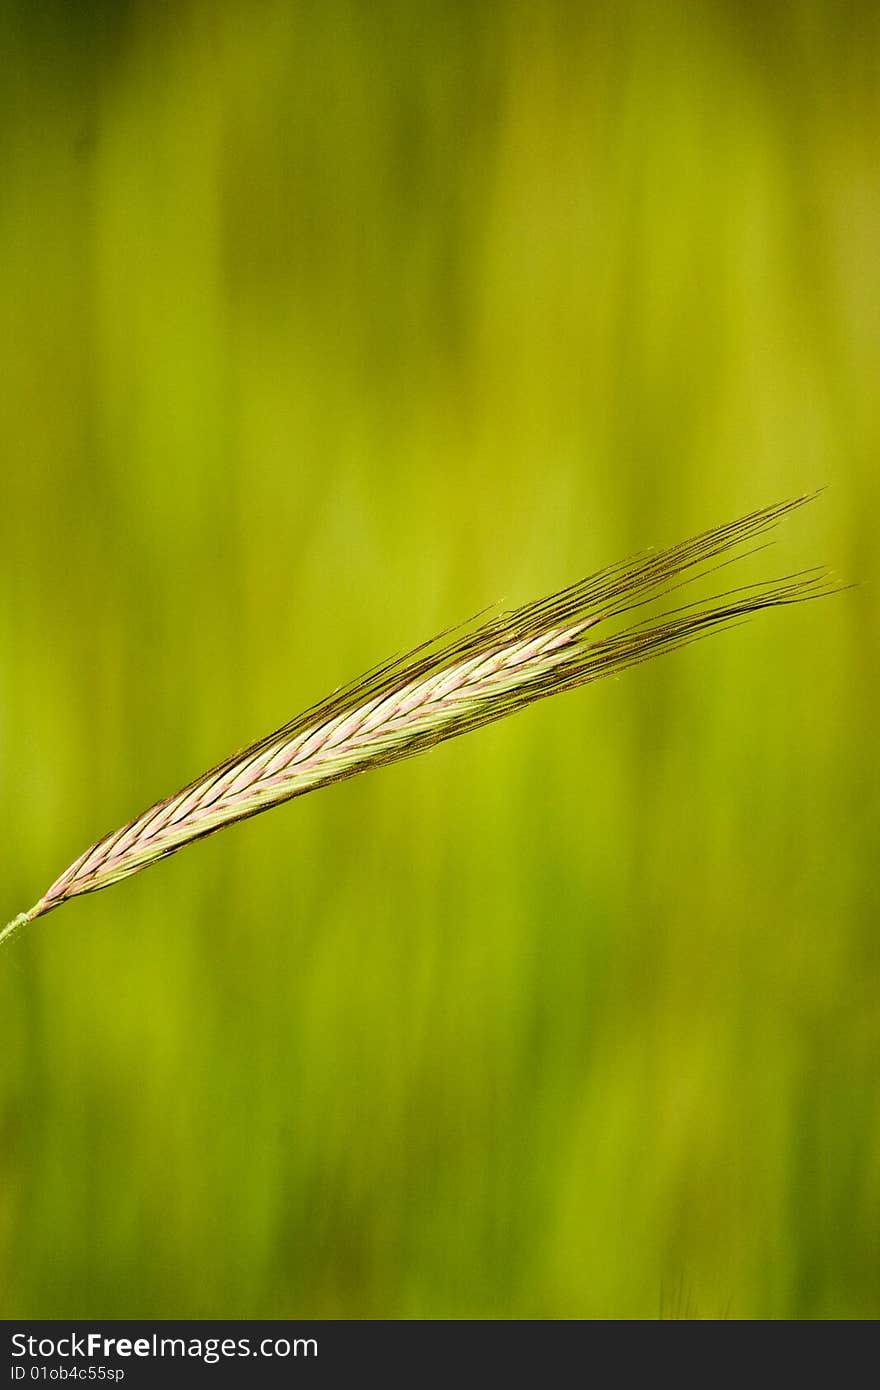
(14, 925)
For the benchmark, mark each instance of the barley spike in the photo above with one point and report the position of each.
(462, 679)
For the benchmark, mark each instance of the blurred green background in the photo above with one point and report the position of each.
(323, 325)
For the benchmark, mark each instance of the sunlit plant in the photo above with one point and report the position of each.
(456, 682)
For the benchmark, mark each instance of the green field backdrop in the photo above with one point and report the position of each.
(323, 325)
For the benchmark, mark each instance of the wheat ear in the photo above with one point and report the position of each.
(458, 681)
